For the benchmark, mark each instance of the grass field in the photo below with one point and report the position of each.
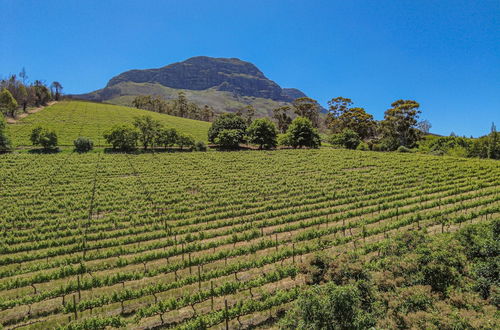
(191, 239)
(75, 118)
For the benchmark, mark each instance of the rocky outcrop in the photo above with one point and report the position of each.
(202, 72)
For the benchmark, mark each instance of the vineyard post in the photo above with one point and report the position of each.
(189, 260)
(199, 278)
(79, 291)
(212, 294)
(276, 238)
(74, 307)
(226, 316)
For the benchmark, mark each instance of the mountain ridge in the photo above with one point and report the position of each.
(240, 82)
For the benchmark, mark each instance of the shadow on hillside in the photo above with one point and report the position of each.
(44, 151)
(142, 151)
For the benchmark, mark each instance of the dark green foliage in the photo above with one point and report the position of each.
(228, 121)
(399, 127)
(148, 129)
(8, 103)
(263, 133)
(166, 137)
(416, 280)
(229, 138)
(329, 307)
(122, 137)
(185, 140)
(200, 146)
(348, 139)
(83, 144)
(4, 140)
(403, 149)
(301, 133)
(43, 137)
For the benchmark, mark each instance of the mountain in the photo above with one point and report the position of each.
(226, 84)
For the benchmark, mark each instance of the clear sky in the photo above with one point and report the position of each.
(444, 54)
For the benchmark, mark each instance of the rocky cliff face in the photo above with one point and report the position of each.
(201, 73)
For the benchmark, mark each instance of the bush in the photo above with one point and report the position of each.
(301, 133)
(122, 137)
(263, 132)
(166, 137)
(43, 137)
(347, 139)
(363, 146)
(227, 121)
(4, 140)
(284, 140)
(229, 138)
(403, 149)
(185, 140)
(200, 146)
(83, 144)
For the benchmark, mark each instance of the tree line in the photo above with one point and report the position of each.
(180, 107)
(17, 94)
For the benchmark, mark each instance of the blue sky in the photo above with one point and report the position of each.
(444, 54)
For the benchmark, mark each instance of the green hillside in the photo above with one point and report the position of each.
(71, 119)
(125, 92)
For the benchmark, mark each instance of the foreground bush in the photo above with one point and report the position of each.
(44, 137)
(122, 137)
(83, 144)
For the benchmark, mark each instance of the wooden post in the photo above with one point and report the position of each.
(199, 278)
(226, 316)
(74, 306)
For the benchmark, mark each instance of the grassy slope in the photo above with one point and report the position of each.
(76, 118)
(219, 100)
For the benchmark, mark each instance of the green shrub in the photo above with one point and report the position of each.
(83, 144)
(229, 138)
(363, 146)
(185, 140)
(43, 137)
(228, 122)
(122, 137)
(301, 133)
(403, 149)
(262, 132)
(4, 140)
(348, 139)
(200, 146)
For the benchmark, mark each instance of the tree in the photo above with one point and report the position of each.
(424, 126)
(308, 108)
(148, 129)
(282, 117)
(4, 140)
(247, 113)
(182, 106)
(347, 139)
(262, 132)
(23, 97)
(57, 88)
(227, 121)
(399, 124)
(336, 107)
(42, 93)
(357, 120)
(301, 133)
(229, 138)
(185, 140)
(43, 137)
(83, 144)
(166, 137)
(207, 113)
(7, 102)
(23, 75)
(494, 143)
(122, 137)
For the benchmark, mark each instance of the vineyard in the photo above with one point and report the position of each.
(71, 119)
(195, 240)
